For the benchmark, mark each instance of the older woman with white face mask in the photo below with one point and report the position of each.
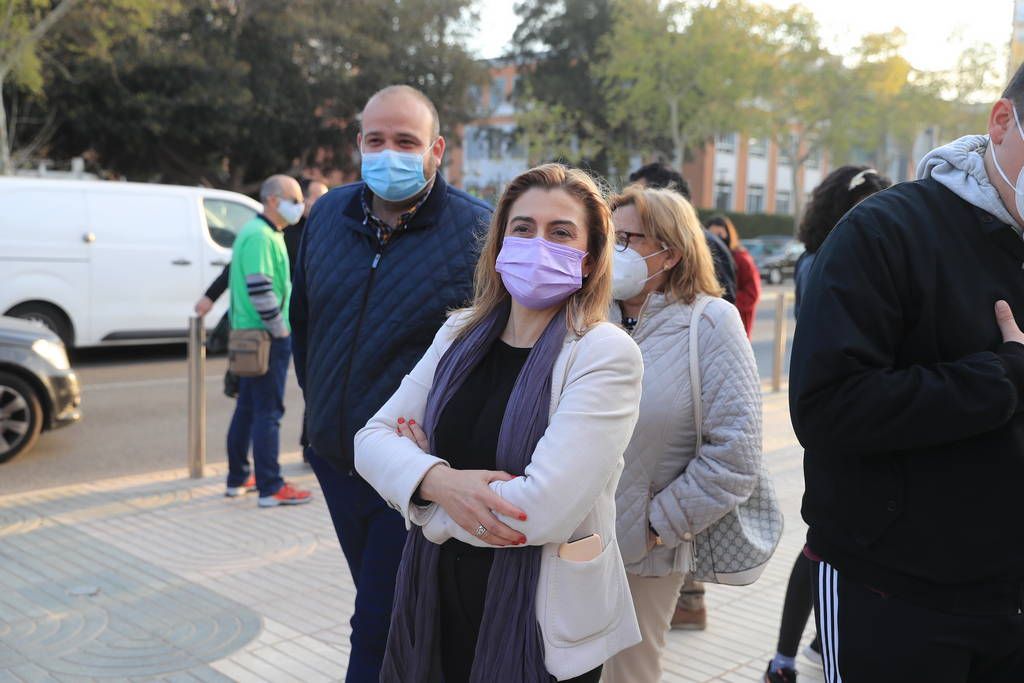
(673, 487)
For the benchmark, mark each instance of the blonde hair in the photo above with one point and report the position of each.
(668, 218)
(590, 304)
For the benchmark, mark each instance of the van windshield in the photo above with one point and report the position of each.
(224, 218)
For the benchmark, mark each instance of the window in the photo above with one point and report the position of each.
(476, 143)
(225, 218)
(814, 160)
(497, 92)
(723, 196)
(782, 202)
(785, 145)
(755, 199)
(515, 147)
(494, 143)
(725, 143)
(758, 147)
(475, 97)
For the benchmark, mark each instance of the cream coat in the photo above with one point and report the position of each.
(666, 483)
(584, 608)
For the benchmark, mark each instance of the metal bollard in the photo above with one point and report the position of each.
(196, 397)
(779, 348)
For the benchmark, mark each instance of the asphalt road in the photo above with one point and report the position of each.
(134, 403)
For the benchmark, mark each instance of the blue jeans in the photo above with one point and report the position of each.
(372, 536)
(257, 422)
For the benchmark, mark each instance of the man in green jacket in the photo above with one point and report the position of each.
(260, 286)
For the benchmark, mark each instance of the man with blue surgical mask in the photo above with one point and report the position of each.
(381, 262)
(907, 393)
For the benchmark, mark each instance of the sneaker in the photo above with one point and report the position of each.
(248, 487)
(690, 619)
(813, 652)
(780, 676)
(286, 495)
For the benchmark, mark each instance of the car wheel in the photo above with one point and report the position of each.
(21, 416)
(50, 316)
(775, 276)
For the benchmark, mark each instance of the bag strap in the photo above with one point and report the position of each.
(699, 304)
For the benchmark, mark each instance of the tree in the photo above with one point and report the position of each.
(971, 86)
(87, 26)
(678, 74)
(226, 92)
(558, 45)
(806, 99)
(897, 100)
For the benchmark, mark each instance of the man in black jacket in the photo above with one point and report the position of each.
(907, 392)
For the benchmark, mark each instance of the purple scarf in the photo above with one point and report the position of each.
(510, 645)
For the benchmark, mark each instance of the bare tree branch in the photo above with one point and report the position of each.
(40, 139)
(8, 61)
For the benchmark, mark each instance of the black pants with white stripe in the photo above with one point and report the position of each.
(870, 638)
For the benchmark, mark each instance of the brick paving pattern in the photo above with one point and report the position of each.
(161, 578)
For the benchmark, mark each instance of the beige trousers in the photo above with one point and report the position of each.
(654, 599)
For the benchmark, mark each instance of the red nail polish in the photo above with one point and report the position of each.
(522, 540)
(412, 422)
(401, 420)
(522, 518)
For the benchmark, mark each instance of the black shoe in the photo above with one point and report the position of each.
(780, 676)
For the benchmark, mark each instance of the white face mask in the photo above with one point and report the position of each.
(629, 273)
(1018, 187)
(290, 211)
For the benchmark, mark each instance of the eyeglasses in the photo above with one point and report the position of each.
(622, 239)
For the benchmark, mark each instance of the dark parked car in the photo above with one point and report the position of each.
(38, 389)
(778, 262)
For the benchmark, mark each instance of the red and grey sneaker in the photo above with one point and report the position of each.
(286, 495)
(248, 487)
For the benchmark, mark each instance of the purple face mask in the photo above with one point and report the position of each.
(539, 274)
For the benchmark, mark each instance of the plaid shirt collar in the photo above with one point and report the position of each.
(385, 231)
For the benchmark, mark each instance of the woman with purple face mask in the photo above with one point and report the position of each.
(503, 448)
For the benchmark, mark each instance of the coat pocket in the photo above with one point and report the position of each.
(585, 600)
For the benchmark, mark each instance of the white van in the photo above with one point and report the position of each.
(114, 263)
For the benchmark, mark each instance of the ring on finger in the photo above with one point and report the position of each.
(481, 531)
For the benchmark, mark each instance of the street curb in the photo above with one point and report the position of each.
(177, 475)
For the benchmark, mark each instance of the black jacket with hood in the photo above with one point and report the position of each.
(907, 401)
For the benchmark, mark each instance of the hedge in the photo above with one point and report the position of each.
(753, 224)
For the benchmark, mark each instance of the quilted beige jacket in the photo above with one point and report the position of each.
(665, 483)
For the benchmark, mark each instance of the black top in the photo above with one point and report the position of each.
(467, 437)
(467, 431)
(909, 404)
(725, 267)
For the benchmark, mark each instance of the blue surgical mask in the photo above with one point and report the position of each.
(394, 176)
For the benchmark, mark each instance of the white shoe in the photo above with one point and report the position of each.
(813, 655)
(236, 491)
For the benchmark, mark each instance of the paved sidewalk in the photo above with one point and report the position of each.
(162, 578)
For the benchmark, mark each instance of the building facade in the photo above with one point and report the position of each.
(733, 172)
(1016, 39)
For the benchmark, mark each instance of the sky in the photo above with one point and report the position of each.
(936, 29)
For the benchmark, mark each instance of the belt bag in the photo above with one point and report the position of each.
(249, 352)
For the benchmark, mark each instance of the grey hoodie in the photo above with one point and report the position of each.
(960, 166)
